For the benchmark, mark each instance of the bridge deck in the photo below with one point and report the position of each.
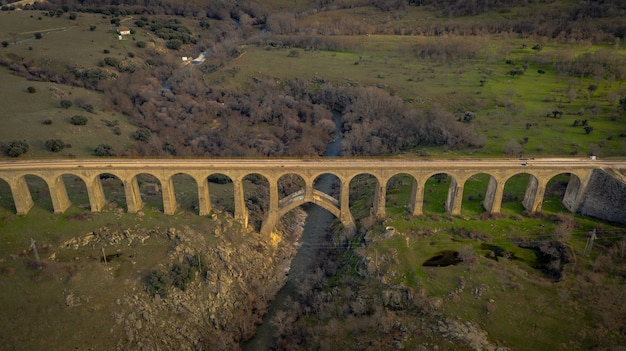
(314, 163)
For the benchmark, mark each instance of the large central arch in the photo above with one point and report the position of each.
(299, 198)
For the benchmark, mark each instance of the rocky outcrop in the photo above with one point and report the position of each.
(223, 303)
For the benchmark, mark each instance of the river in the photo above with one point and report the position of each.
(314, 234)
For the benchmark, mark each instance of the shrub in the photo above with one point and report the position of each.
(169, 147)
(31, 90)
(174, 44)
(219, 179)
(468, 116)
(15, 148)
(111, 61)
(109, 123)
(142, 134)
(104, 150)
(66, 103)
(183, 275)
(78, 120)
(5, 44)
(47, 122)
(467, 254)
(38, 35)
(92, 27)
(140, 44)
(157, 283)
(106, 51)
(87, 107)
(54, 145)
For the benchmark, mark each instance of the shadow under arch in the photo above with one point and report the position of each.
(77, 192)
(186, 192)
(517, 192)
(39, 190)
(150, 190)
(561, 192)
(289, 184)
(363, 190)
(113, 190)
(221, 193)
(257, 198)
(6, 197)
(398, 192)
(329, 184)
(436, 189)
(474, 192)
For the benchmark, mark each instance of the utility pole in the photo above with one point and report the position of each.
(34, 247)
(590, 242)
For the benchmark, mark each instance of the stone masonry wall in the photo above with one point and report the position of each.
(604, 198)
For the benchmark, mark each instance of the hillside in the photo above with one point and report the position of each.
(496, 80)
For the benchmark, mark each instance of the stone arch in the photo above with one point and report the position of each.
(367, 195)
(185, 188)
(437, 192)
(77, 189)
(297, 199)
(113, 190)
(562, 192)
(256, 189)
(290, 184)
(475, 190)
(147, 192)
(522, 191)
(326, 202)
(39, 192)
(221, 192)
(6, 198)
(329, 184)
(398, 193)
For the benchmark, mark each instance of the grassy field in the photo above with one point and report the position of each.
(510, 298)
(24, 114)
(507, 107)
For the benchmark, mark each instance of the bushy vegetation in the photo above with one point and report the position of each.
(54, 145)
(179, 276)
(104, 150)
(157, 283)
(79, 120)
(14, 148)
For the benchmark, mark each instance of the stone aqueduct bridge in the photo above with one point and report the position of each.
(345, 169)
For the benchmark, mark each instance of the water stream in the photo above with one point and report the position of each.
(313, 235)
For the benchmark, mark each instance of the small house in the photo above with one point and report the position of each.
(123, 30)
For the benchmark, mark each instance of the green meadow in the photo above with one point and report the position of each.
(507, 107)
